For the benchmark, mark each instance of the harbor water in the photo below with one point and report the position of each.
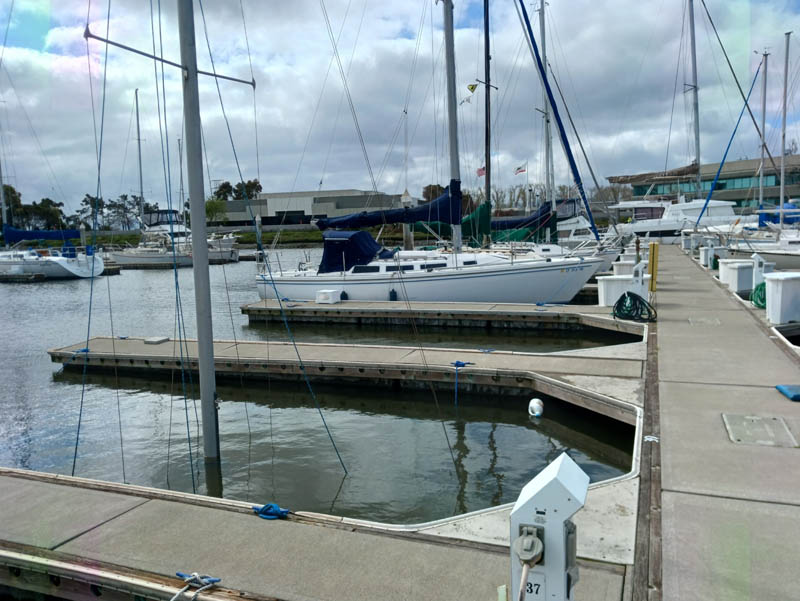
(409, 457)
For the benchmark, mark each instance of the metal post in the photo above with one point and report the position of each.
(783, 122)
(139, 147)
(548, 137)
(452, 106)
(488, 114)
(695, 103)
(202, 289)
(763, 135)
(3, 211)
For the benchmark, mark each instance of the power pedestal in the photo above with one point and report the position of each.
(543, 538)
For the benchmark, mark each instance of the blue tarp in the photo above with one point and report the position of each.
(341, 250)
(446, 208)
(532, 221)
(764, 218)
(12, 235)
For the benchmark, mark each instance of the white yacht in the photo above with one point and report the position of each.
(663, 221)
(354, 265)
(52, 263)
(783, 249)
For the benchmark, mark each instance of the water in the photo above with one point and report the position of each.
(273, 444)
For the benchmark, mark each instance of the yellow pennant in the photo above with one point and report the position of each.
(471, 87)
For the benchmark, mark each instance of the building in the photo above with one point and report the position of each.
(292, 208)
(738, 182)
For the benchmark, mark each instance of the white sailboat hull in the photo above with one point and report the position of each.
(520, 282)
(133, 257)
(51, 267)
(783, 259)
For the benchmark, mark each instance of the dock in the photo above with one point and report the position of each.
(709, 510)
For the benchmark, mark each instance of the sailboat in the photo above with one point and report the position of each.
(357, 268)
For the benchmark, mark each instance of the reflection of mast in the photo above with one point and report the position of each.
(492, 471)
(461, 473)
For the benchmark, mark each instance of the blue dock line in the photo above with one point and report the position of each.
(457, 365)
(271, 511)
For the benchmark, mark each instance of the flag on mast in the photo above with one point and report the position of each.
(481, 171)
(521, 169)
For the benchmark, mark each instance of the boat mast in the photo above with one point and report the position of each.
(3, 212)
(763, 137)
(488, 116)
(548, 136)
(452, 107)
(783, 122)
(202, 290)
(139, 147)
(695, 103)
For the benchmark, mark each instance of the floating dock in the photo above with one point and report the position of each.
(709, 510)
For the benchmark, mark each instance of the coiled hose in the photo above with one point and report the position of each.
(633, 307)
(759, 296)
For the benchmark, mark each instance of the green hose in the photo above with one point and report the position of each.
(759, 296)
(715, 262)
(633, 307)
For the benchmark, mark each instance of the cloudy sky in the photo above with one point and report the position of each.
(616, 62)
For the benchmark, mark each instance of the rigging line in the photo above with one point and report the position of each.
(741, 92)
(5, 35)
(165, 167)
(125, 154)
(435, 126)
(116, 378)
(319, 102)
(244, 190)
(420, 30)
(349, 97)
(675, 86)
(253, 78)
(35, 135)
(94, 241)
(721, 85)
(300, 360)
(205, 155)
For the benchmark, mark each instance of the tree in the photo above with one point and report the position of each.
(215, 210)
(432, 192)
(224, 191)
(251, 188)
(46, 214)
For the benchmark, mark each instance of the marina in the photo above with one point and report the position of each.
(429, 380)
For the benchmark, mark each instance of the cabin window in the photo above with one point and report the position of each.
(432, 265)
(648, 213)
(400, 267)
(582, 232)
(470, 262)
(366, 269)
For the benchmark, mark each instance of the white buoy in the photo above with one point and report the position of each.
(535, 408)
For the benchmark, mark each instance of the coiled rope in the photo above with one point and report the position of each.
(759, 296)
(633, 307)
(202, 581)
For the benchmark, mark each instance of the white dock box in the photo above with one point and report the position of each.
(736, 274)
(623, 267)
(611, 287)
(328, 297)
(783, 296)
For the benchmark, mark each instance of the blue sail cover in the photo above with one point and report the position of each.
(446, 208)
(13, 235)
(341, 250)
(765, 218)
(532, 221)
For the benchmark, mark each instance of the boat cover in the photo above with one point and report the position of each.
(764, 218)
(13, 235)
(532, 221)
(446, 208)
(341, 250)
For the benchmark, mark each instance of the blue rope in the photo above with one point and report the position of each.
(458, 365)
(271, 511)
(259, 246)
(724, 156)
(94, 241)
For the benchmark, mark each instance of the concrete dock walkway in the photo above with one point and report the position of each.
(731, 510)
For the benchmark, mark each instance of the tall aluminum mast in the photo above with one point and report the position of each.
(695, 103)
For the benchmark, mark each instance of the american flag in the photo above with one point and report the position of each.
(481, 171)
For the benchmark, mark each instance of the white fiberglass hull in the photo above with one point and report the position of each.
(138, 258)
(783, 259)
(51, 267)
(519, 282)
